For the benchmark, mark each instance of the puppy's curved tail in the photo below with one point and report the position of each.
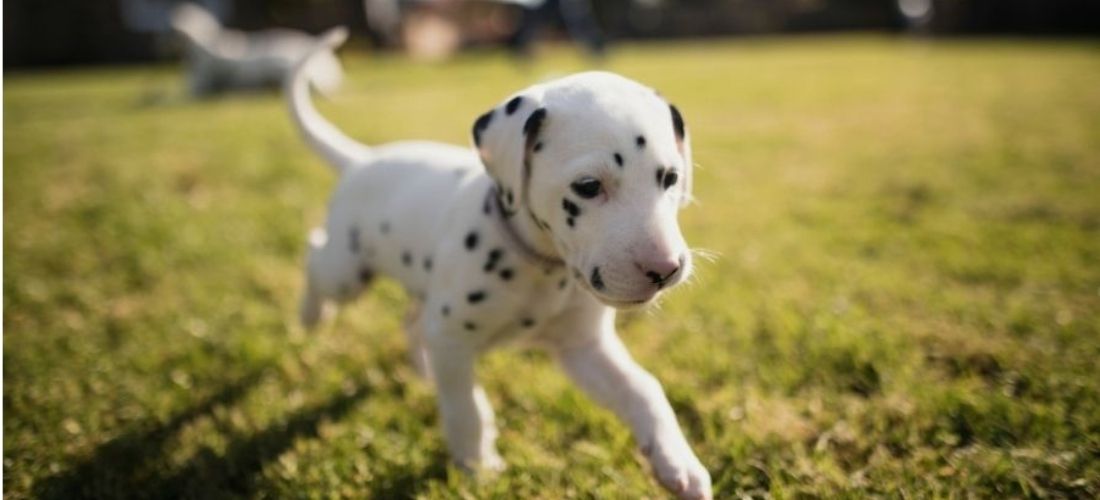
(334, 146)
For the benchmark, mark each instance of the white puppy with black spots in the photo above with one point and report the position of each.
(572, 216)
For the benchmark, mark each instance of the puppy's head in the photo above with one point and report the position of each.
(601, 164)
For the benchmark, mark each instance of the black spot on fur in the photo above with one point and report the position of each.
(494, 257)
(365, 275)
(533, 124)
(427, 263)
(469, 325)
(596, 279)
(385, 228)
(353, 239)
(475, 296)
(618, 159)
(506, 274)
(406, 258)
(570, 221)
(537, 148)
(670, 179)
(677, 122)
(571, 208)
(503, 205)
(527, 322)
(446, 310)
(513, 105)
(471, 240)
(640, 141)
(508, 197)
(562, 283)
(480, 124)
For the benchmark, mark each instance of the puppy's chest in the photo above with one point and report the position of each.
(497, 297)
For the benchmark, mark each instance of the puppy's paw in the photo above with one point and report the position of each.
(488, 464)
(493, 464)
(682, 474)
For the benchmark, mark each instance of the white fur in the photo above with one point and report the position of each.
(222, 59)
(398, 205)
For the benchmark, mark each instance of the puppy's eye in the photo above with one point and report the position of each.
(670, 179)
(587, 188)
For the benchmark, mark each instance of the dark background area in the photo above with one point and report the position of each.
(63, 32)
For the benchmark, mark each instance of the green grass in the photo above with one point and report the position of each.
(906, 298)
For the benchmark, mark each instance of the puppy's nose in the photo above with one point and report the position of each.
(660, 271)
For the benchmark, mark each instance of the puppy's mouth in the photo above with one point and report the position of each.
(634, 297)
(625, 302)
(641, 298)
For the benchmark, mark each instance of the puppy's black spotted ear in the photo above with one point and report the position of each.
(677, 122)
(479, 126)
(505, 137)
(683, 143)
(533, 125)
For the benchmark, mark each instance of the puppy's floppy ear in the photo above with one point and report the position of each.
(505, 136)
(683, 142)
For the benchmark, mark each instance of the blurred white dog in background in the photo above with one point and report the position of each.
(221, 59)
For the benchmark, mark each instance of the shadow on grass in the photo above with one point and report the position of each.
(209, 474)
(135, 464)
(120, 461)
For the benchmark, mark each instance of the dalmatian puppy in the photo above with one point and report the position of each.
(566, 213)
(221, 59)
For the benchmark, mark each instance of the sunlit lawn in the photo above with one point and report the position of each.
(906, 298)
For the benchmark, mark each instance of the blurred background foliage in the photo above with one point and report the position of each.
(81, 32)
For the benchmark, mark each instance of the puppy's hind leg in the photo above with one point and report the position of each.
(414, 335)
(312, 305)
(313, 302)
(334, 274)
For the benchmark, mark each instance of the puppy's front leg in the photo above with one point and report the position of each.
(602, 367)
(468, 422)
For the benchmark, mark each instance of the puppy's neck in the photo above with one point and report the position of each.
(539, 241)
(533, 242)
